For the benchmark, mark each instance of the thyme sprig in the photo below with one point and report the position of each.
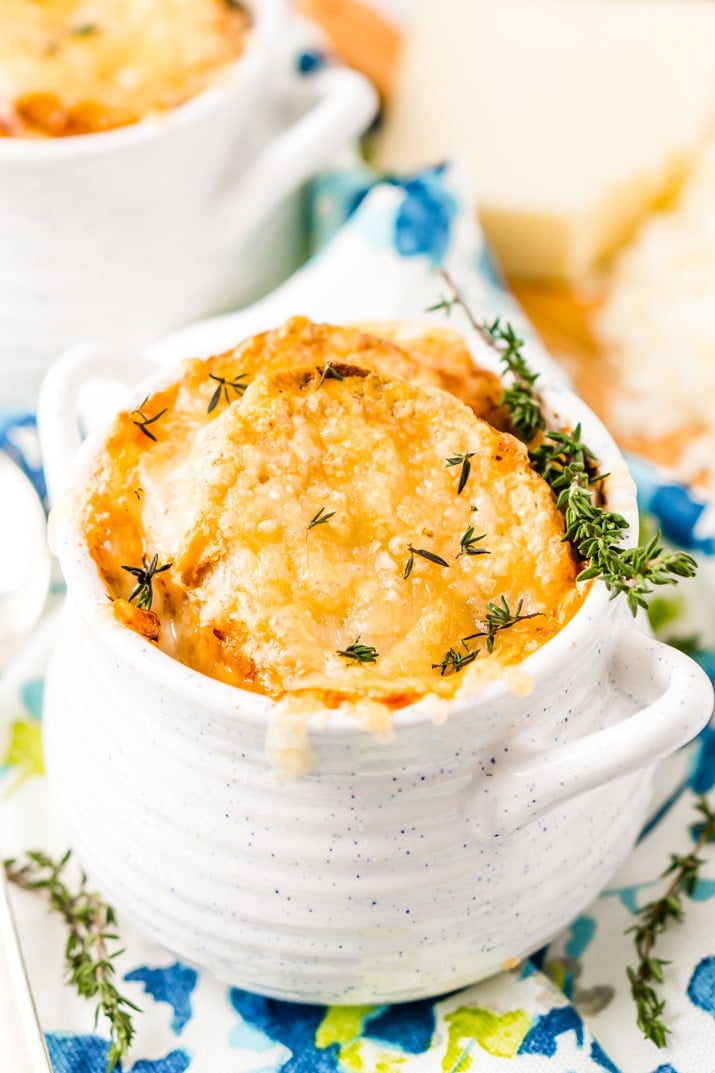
(523, 406)
(320, 518)
(463, 460)
(424, 554)
(468, 542)
(360, 653)
(223, 384)
(655, 917)
(569, 467)
(519, 398)
(144, 421)
(454, 661)
(499, 617)
(143, 592)
(631, 571)
(89, 950)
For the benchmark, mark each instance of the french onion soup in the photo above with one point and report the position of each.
(333, 517)
(81, 66)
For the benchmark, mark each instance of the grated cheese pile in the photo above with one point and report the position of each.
(657, 327)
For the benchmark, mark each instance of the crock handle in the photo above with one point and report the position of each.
(342, 104)
(532, 783)
(58, 410)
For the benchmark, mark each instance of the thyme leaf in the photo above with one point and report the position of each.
(237, 385)
(320, 518)
(145, 574)
(89, 952)
(467, 544)
(144, 421)
(424, 554)
(463, 460)
(360, 653)
(446, 304)
(329, 372)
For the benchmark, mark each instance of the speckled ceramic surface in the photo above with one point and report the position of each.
(393, 870)
(129, 233)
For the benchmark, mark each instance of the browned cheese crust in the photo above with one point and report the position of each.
(82, 66)
(257, 595)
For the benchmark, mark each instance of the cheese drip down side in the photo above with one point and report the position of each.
(259, 597)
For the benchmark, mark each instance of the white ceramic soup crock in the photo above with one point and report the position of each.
(181, 215)
(394, 869)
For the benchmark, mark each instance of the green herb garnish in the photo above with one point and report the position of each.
(145, 574)
(89, 961)
(631, 571)
(223, 384)
(499, 617)
(454, 661)
(144, 421)
(569, 467)
(468, 542)
(524, 410)
(85, 29)
(429, 555)
(359, 653)
(329, 372)
(463, 460)
(445, 304)
(320, 518)
(654, 918)
(560, 455)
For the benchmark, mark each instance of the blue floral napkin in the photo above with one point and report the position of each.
(566, 1010)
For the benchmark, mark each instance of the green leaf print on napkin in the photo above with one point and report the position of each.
(498, 1034)
(23, 750)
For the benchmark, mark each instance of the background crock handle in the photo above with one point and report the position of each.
(59, 418)
(531, 783)
(340, 104)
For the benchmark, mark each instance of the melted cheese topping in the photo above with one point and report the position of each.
(256, 444)
(81, 66)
